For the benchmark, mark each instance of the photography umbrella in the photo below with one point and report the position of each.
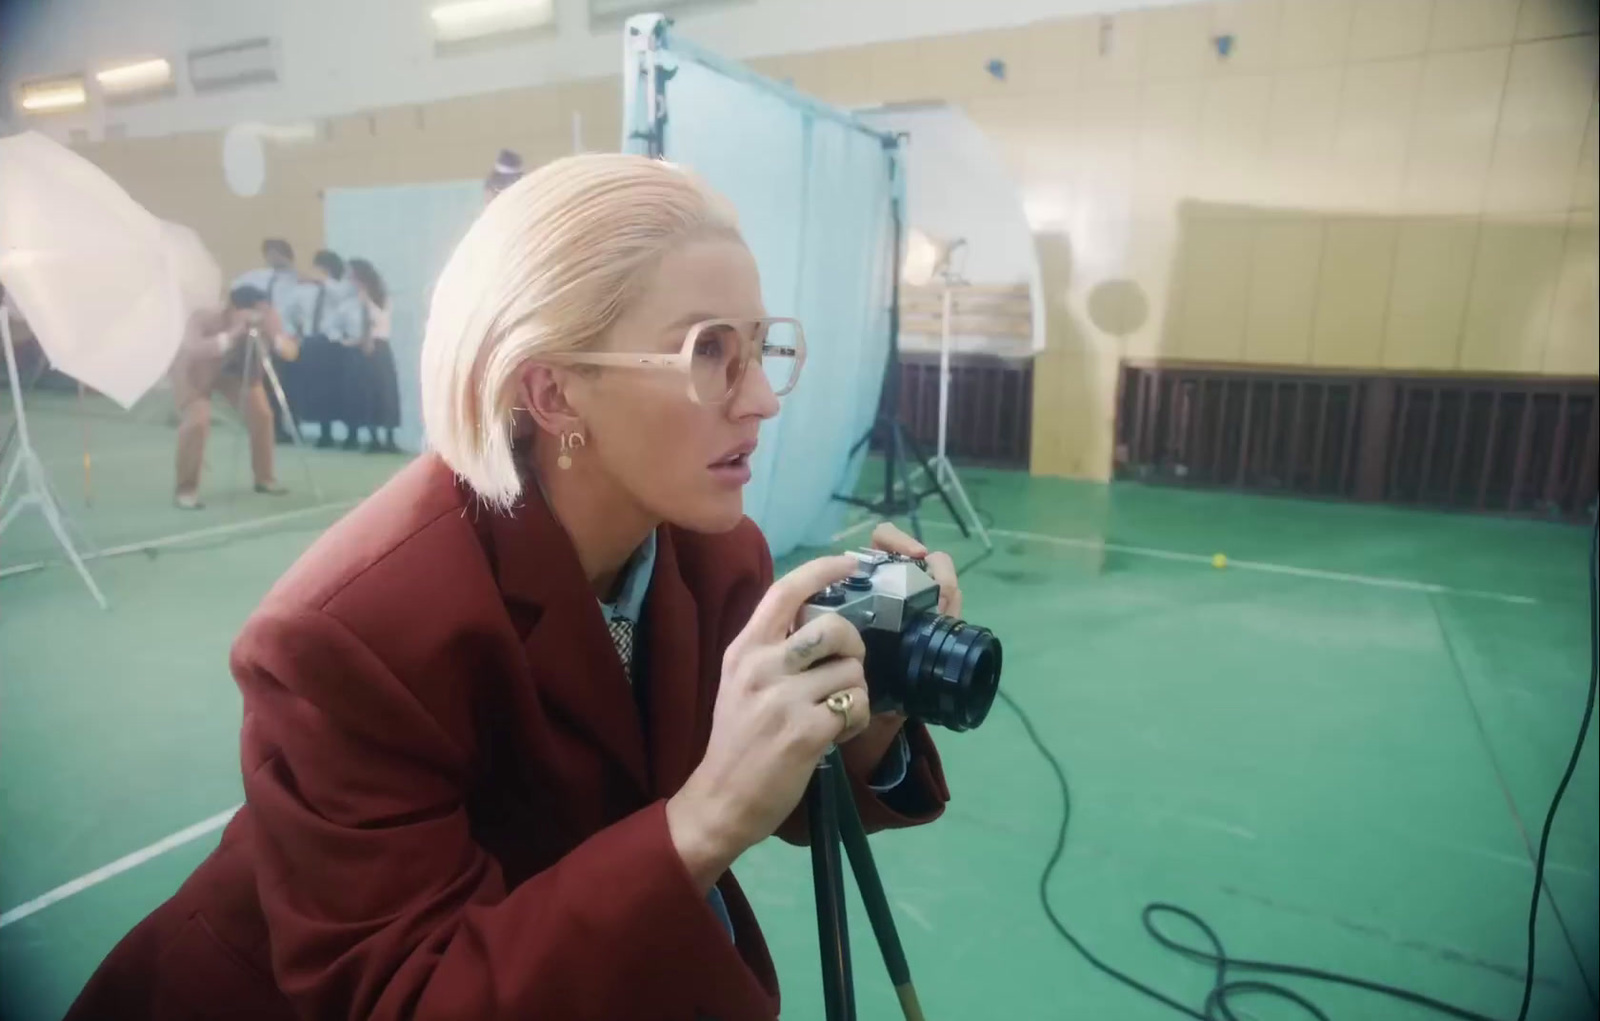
(90, 269)
(96, 277)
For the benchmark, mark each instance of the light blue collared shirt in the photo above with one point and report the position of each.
(331, 309)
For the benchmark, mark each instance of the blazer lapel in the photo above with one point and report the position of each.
(674, 669)
(570, 654)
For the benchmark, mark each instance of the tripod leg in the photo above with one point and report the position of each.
(833, 936)
(294, 426)
(947, 473)
(870, 884)
(898, 444)
(938, 486)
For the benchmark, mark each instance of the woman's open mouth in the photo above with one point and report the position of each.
(733, 468)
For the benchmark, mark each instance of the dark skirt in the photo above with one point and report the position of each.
(319, 393)
(381, 387)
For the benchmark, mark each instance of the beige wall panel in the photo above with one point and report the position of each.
(1283, 290)
(1468, 24)
(1573, 348)
(1515, 273)
(1453, 134)
(1385, 29)
(1539, 140)
(1428, 298)
(1315, 33)
(1353, 283)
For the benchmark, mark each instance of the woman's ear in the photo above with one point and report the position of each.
(543, 396)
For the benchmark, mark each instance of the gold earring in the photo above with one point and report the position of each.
(569, 443)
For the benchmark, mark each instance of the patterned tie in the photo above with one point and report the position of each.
(622, 638)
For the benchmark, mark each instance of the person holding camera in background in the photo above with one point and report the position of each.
(280, 282)
(221, 353)
(509, 724)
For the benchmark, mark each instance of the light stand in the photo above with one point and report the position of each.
(25, 466)
(900, 497)
(944, 473)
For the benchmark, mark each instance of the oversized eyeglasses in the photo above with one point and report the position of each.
(715, 355)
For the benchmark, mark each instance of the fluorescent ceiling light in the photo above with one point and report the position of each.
(60, 94)
(139, 76)
(474, 19)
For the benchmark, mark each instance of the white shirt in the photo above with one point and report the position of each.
(379, 320)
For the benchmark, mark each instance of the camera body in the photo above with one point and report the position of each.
(919, 662)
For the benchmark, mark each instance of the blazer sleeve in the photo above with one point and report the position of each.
(379, 902)
(918, 799)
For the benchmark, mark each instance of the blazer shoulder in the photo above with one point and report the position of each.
(422, 520)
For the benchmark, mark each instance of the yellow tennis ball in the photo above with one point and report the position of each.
(1219, 560)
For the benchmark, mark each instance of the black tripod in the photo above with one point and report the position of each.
(899, 496)
(831, 810)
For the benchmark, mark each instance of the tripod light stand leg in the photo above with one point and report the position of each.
(946, 475)
(52, 515)
(870, 885)
(938, 487)
(833, 936)
(11, 479)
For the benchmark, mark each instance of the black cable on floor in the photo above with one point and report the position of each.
(1223, 989)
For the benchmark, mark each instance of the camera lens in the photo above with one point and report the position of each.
(949, 671)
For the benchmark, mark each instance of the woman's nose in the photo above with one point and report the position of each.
(754, 396)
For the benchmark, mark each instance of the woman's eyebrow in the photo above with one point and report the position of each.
(687, 320)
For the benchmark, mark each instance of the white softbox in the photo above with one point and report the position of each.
(105, 285)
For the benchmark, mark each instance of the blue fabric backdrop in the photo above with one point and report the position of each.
(813, 195)
(407, 232)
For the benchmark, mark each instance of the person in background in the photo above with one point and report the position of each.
(280, 282)
(221, 353)
(328, 314)
(507, 171)
(380, 399)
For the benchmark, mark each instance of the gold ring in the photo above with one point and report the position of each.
(841, 702)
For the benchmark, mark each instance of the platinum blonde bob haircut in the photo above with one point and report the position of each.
(547, 268)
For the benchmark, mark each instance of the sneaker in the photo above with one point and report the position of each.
(188, 501)
(271, 489)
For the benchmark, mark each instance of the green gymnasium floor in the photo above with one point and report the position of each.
(1338, 750)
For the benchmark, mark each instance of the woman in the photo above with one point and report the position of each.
(508, 725)
(379, 401)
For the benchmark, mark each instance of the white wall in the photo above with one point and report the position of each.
(340, 56)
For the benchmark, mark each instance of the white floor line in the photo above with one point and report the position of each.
(1399, 584)
(118, 867)
(180, 538)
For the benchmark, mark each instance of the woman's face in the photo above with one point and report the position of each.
(680, 461)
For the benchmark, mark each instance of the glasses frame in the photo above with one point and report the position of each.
(683, 360)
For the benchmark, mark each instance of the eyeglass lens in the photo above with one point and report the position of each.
(721, 350)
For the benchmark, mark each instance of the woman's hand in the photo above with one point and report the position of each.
(770, 727)
(862, 755)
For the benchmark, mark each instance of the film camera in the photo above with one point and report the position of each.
(938, 669)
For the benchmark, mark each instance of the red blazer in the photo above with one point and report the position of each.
(452, 806)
